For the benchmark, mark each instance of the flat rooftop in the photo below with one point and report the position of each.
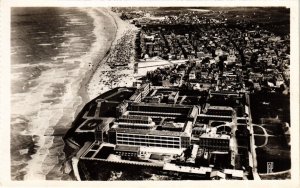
(127, 148)
(89, 125)
(149, 132)
(186, 131)
(120, 95)
(96, 151)
(187, 169)
(213, 134)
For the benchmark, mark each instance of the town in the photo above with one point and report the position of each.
(210, 102)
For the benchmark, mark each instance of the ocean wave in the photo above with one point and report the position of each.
(45, 44)
(22, 146)
(49, 102)
(24, 77)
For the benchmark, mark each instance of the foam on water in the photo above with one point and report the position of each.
(49, 113)
(69, 74)
(45, 44)
(45, 93)
(47, 97)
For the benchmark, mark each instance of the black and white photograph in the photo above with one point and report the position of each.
(198, 93)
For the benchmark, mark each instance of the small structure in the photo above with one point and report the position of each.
(202, 171)
(234, 174)
(217, 175)
(173, 97)
(212, 140)
(127, 151)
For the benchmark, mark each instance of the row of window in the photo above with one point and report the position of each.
(157, 115)
(149, 144)
(224, 148)
(148, 141)
(148, 137)
(219, 112)
(214, 141)
(136, 126)
(150, 113)
(157, 109)
(134, 121)
(125, 153)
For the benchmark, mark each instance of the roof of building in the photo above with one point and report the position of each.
(173, 125)
(220, 108)
(213, 134)
(173, 94)
(223, 92)
(144, 85)
(156, 157)
(188, 127)
(193, 112)
(127, 148)
(186, 169)
(135, 117)
(209, 115)
(135, 95)
(217, 174)
(90, 125)
(234, 173)
(162, 105)
(149, 132)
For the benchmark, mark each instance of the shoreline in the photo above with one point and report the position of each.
(105, 77)
(82, 92)
(51, 147)
(88, 67)
(98, 63)
(95, 64)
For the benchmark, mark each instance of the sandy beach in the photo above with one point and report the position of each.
(104, 77)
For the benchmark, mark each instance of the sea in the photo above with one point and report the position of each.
(53, 52)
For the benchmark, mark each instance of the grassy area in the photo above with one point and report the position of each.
(280, 158)
(274, 129)
(258, 130)
(279, 105)
(278, 142)
(259, 140)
